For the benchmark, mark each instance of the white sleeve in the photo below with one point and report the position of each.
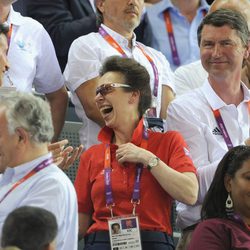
(83, 64)
(167, 75)
(184, 120)
(205, 177)
(48, 76)
(181, 80)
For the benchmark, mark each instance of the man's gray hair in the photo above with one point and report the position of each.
(24, 110)
(232, 18)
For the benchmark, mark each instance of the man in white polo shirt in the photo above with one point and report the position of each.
(33, 62)
(214, 117)
(191, 76)
(29, 175)
(118, 19)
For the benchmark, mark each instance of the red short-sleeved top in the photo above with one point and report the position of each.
(154, 210)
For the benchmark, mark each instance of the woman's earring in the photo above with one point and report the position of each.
(229, 205)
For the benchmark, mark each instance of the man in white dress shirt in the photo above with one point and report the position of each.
(33, 62)
(214, 117)
(29, 175)
(116, 36)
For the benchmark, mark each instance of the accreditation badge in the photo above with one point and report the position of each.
(124, 233)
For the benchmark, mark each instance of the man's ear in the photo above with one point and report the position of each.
(22, 135)
(227, 182)
(247, 52)
(100, 5)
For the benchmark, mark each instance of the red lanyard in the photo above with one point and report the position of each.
(35, 170)
(169, 28)
(115, 45)
(107, 176)
(223, 129)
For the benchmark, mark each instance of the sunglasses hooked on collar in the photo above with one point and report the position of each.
(106, 88)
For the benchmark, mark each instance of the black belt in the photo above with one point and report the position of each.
(146, 236)
(190, 228)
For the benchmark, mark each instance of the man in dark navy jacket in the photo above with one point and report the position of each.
(65, 20)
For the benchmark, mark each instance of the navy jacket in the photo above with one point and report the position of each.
(65, 20)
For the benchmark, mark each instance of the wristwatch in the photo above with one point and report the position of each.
(153, 162)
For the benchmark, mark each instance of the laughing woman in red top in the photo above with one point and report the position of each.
(134, 172)
(226, 208)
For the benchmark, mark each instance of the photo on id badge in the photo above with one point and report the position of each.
(116, 228)
(124, 233)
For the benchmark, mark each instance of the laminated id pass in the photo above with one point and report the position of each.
(124, 233)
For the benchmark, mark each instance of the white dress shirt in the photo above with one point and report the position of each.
(32, 57)
(184, 31)
(49, 188)
(191, 114)
(86, 57)
(92, 3)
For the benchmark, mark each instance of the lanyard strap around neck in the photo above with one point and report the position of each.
(35, 170)
(173, 47)
(108, 185)
(223, 129)
(116, 46)
(107, 176)
(172, 43)
(221, 124)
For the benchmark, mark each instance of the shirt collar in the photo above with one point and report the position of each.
(21, 170)
(121, 40)
(14, 17)
(214, 100)
(92, 3)
(161, 6)
(106, 134)
(204, 5)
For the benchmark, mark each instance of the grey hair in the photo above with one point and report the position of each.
(24, 110)
(234, 19)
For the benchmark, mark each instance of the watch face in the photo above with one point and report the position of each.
(153, 162)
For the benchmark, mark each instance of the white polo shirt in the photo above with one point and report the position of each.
(191, 114)
(32, 57)
(49, 188)
(86, 56)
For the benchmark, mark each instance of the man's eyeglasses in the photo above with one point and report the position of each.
(106, 88)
